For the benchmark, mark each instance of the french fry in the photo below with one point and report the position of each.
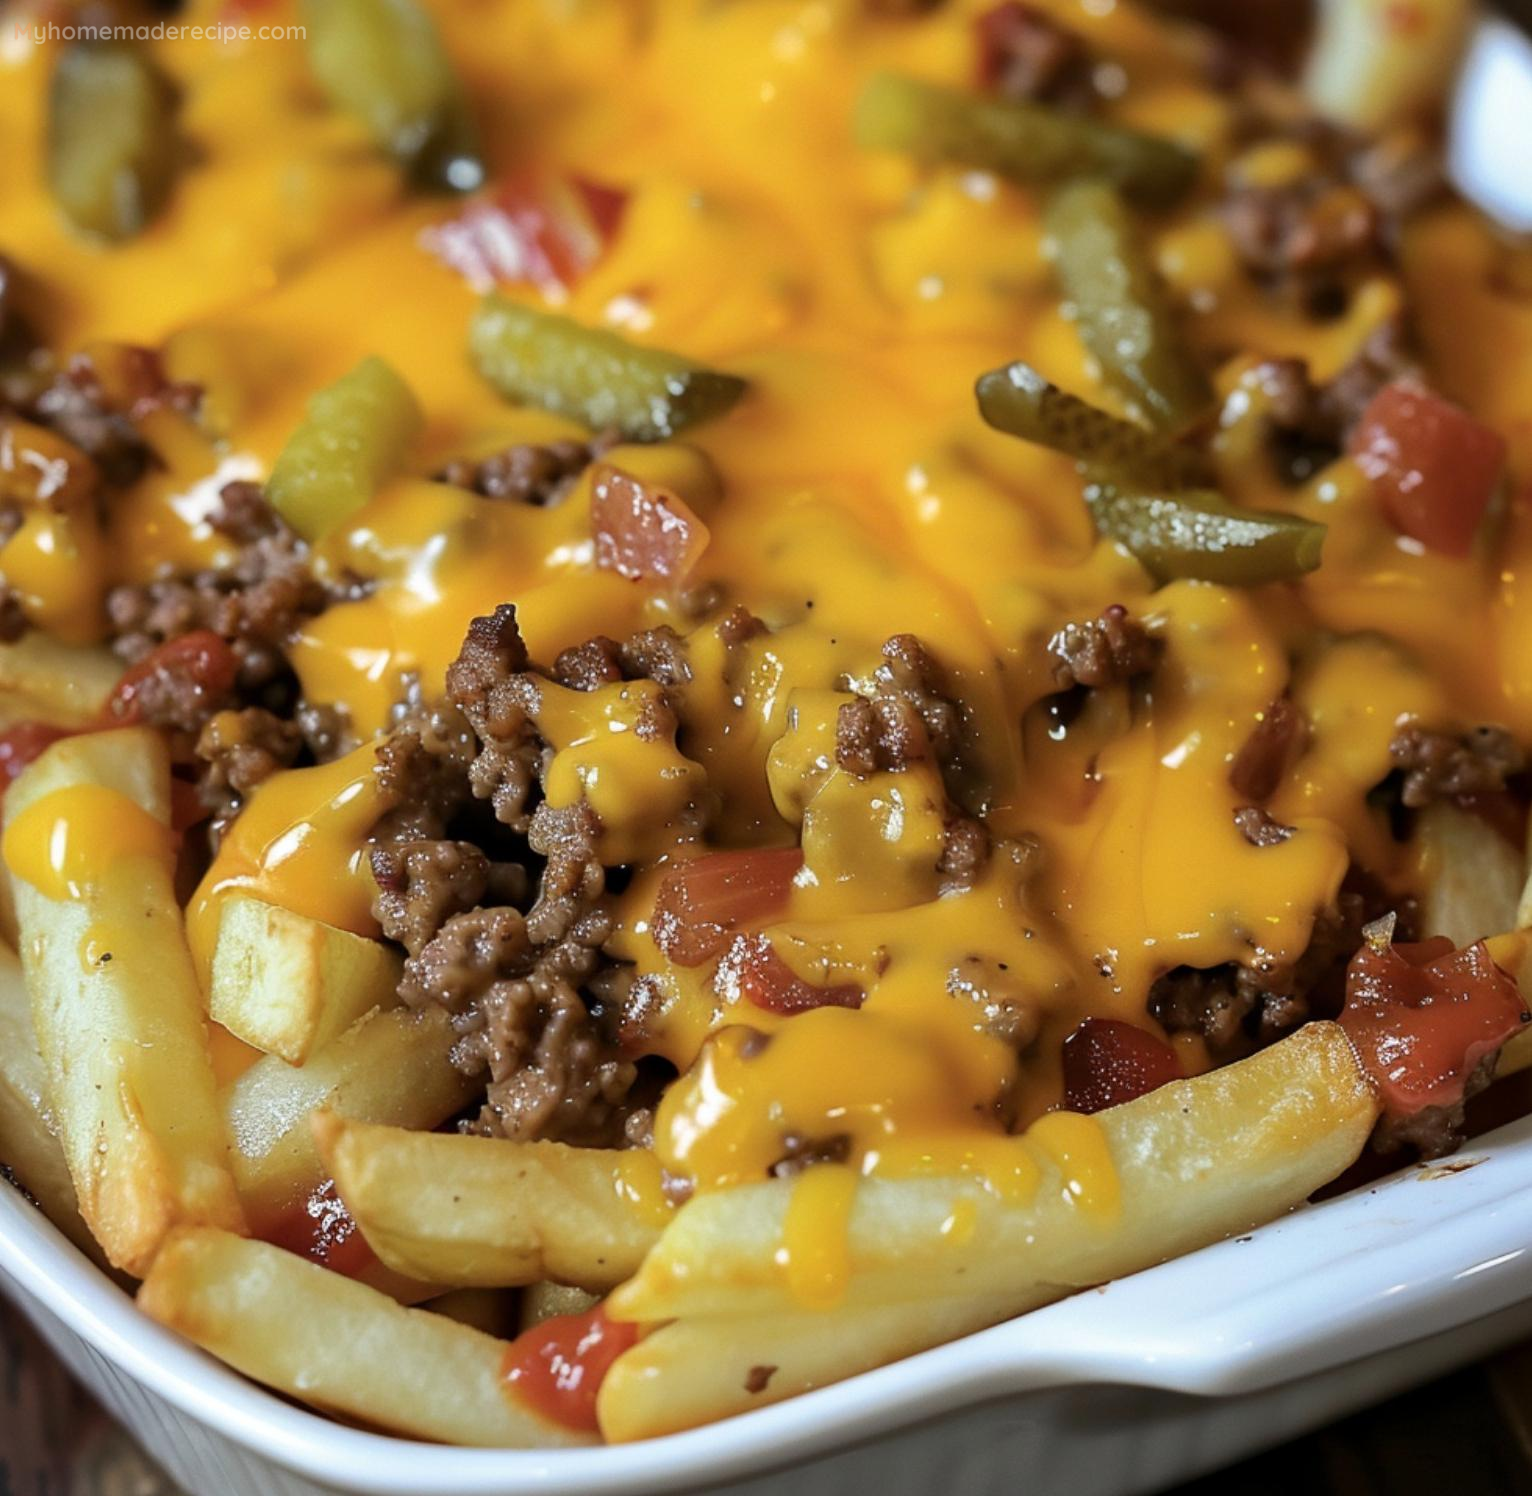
(1369, 70)
(1193, 1162)
(1472, 876)
(389, 1067)
(540, 1301)
(484, 1213)
(699, 1370)
(288, 984)
(115, 1003)
(29, 1145)
(64, 684)
(339, 1345)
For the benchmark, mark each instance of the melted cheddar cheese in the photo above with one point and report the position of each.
(858, 496)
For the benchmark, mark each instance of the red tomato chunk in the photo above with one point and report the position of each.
(643, 532)
(529, 231)
(21, 744)
(323, 1230)
(559, 1365)
(1423, 1016)
(704, 901)
(1433, 468)
(1107, 1062)
(200, 657)
(754, 971)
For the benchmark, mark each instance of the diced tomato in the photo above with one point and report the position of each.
(1422, 1017)
(704, 901)
(1107, 1062)
(20, 744)
(186, 807)
(1433, 467)
(751, 969)
(200, 656)
(643, 532)
(997, 33)
(559, 1365)
(323, 1230)
(530, 230)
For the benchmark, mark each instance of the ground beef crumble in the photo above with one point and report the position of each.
(508, 941)
(542, 474)
(1439, 765)
(1025, 54)
(1111, 650)
(1236, 1007)
(907, 717)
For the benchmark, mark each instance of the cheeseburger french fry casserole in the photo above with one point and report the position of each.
(695, 693)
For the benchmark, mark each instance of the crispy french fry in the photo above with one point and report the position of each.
(540, 1301)
(699, 1370)
(29, 1145)
(288, 984)
(65, 684)
(1368, 69)
(1187, 1164)
(484, 1213)
(1473, 875)
(388, 1067)
(114, 1000)
(340, 1345)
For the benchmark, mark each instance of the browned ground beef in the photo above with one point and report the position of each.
(13, 618)
(800, 1153)
(504, 924)
(241, 750)
(1027, 55)
(1434, 1131)
(1266, 755)
(1107, 651)
(908, 716)
(75, 404)
(657, 654)
(529, 473)
(1310, 424)
(1258, 828)
(1235, 1007)
(1444, 766)
(965, 852)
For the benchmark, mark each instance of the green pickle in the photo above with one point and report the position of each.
(383, 61)
(593, 376)
(355, 437)
(1198, 533)
(1021, 402)
(1026, 143)
(1121, 310)
(112, 149)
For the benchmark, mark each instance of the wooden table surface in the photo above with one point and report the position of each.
(1469, 1434)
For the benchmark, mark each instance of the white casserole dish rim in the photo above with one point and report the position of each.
(1424, 1251)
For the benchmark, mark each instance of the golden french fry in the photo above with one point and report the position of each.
(115, 1003)
(699, 1370)
(1472, 875)
(540, 1301)
(288, 984)
(1172, 1171)
(64, 684)
(29, 1145)
(340, 1345)
(1368, 70)
(388, 1067)
(485, 1213)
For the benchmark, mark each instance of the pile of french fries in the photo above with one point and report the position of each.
(111, 1117)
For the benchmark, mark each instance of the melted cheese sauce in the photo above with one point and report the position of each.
(859, 496)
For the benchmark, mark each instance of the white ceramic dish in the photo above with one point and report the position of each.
(1124, 1389)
